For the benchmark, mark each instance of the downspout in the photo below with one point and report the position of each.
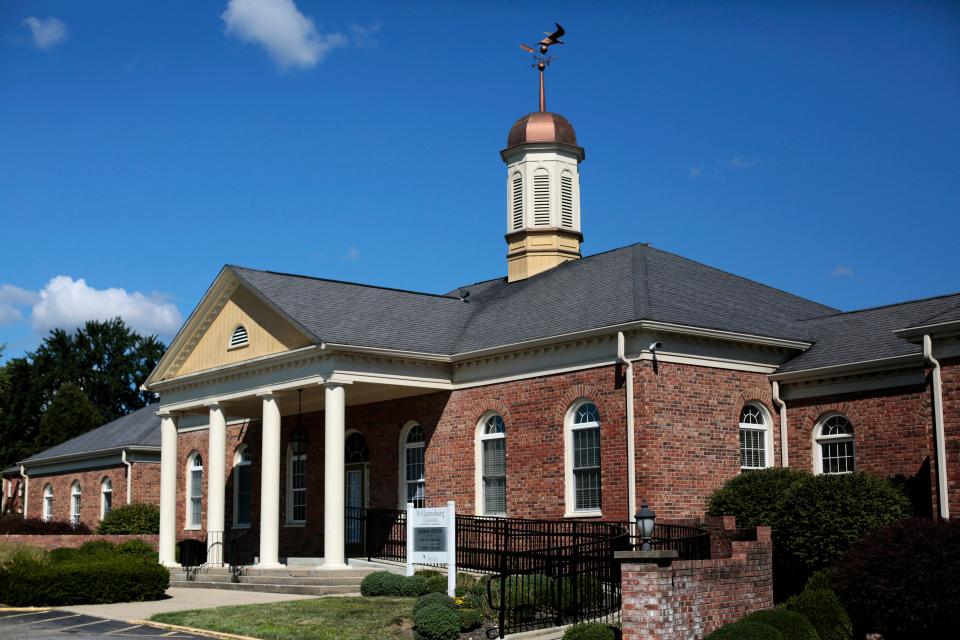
(123, 457)
(26, 489)
(939, 439)
(631, 444)
(784, 434)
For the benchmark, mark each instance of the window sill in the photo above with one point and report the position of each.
(240, 526)
(193, 528)
(295, 524)
(583, 514)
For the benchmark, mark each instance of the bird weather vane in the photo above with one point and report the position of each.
(542, 59)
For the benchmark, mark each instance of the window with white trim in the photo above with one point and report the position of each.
(106, 497)
(754, 438)
(242, 486)
(194, 491)
(412, 467)
(297, 483)
(834, 445)
(492, 466)
(239, 337)
(47, 503)
(75, 495)
(583, 458)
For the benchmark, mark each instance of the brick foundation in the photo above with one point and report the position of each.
(690, 599)
(49, 542)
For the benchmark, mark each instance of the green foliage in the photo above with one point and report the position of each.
(69, 415)
(436, 622)
(754, 497)
(413, 586)
(824, 611)
(746, 630)
(431, 599)
(823, 515)
(17, 525)
(793, 625)
(589, 631)
(587, 589)
(380, 583)
(469, 618)
(902, 580)
(13, 553)
(138, 549)
(526, 595)
(131, 519)
(436, 584)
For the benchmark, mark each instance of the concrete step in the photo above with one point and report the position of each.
(307, 590)
(218, 573)
(339, 581)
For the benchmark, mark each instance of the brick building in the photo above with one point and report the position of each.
(573, 387)
(82, 479)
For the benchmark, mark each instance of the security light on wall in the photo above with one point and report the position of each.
(655, 345)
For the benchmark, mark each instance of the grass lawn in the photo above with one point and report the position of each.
(321, 619)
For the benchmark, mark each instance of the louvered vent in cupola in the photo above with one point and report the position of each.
(566, 200)
(239, 337)
(517, 202)
(541, 199)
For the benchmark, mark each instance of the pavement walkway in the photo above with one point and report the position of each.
(180, 600)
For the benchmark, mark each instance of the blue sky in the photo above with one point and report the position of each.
(810, 146)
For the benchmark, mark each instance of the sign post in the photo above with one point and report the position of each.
(432, 539)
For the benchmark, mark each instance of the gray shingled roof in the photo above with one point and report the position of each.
(637, 282)
(867, 334)
(138, 429)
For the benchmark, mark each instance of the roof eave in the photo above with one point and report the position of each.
(863, 366)
(84, 455)
(915, 334)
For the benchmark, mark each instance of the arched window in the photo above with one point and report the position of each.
(356, 449)
(48, 502)
(412, 469)
(297, 482)
(194, 491)
(516, 202)
(834, 445)
(75, 495)
(239, 337)
(754, 437)
(491, 466)
(106, 497)
(242, 486)
(582, 435)
(541, 198)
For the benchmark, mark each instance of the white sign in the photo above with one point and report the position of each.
(432, 539)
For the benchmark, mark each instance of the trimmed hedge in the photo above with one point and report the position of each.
(746, 630)
(793, 625)
(436, 622)
(824, 611)
(131, 519)
(755, 497)
(97, 581)
(589, 631)
(902, 580)
(15, 525)
(385, 583)
(431, 599)
(469, 618)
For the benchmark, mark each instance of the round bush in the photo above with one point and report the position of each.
(589, 593)
(792, 625)
(754, 497)
(131, 519)
(589, 631)
(413, 586)
(97, 581)
(902, 580)
(376, 584)
(136, 548)
(430, 599)
(436, 584)
(823, 515)
(746, 630)
(469, 618)
(436, 622)
(824, 611)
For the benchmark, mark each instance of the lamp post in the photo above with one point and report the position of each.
(645, 521)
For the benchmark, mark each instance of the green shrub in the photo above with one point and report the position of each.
(824, 611)
(822, 516)
(431, 599)
(137, 548)
(589, 593)
(131, 519)
(469, 618)
(754, 497)
(413, 586)
(589, 631)
(793, 625)
(436, 584)
(96, 581)
(10, 553)
(526, 595)
(436, 622)
(380, 583)
(429, 573)
(902, 580)
(17, 525)
(746, 630)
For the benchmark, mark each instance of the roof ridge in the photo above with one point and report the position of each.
(356, 284)
(886, 306)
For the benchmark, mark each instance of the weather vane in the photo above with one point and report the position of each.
(542, 59)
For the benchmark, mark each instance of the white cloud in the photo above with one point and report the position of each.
(11, 299)
(352, 254)
(46, 33)
(66, 303)
(362, 36)
(696, 171)
(842, 271)
(738, 162)
(288, 36)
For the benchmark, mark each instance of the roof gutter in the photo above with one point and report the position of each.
(85, 455)
(781, 406)
(26, 489)
(853, 367)
(123, 459)
(631, 442)
(937, 384)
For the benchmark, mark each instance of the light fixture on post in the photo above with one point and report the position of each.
(646, 519)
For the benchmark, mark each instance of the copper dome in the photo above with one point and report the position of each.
(541, 126)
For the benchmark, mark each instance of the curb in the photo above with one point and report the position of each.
(26, 608)
(199, 632)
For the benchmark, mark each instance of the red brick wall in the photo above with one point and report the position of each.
(950, 377)
(49, 542)
(90, 487)
(688, 600)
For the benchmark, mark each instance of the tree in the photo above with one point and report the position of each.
(69, 415)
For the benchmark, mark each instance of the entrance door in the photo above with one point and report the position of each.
(357, 458)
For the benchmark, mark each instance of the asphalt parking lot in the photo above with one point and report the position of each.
(54, 624)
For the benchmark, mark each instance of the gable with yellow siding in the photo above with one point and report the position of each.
(268, 333)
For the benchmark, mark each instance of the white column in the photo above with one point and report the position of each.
(334, 504)
(216, 477)
(270, 484)
(168, 489)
